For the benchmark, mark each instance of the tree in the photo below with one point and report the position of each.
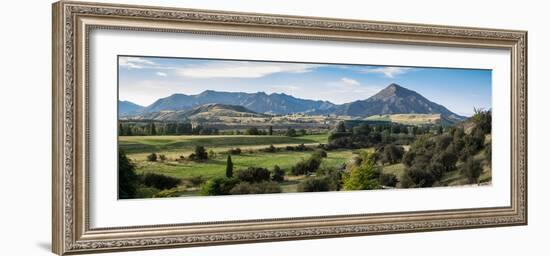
(314, 184)
(162, 157)
(471, 169)
(252, 131)
(341, 127)
(200, 153)
(219, 186)
(270, 131)
(392, 154)
(127, 177)
(447, 159)
(229, 167)
(254, 174)
(306, 166)
(152, 157)
(362, 129)
(388, 179)
(278, 174)
(211, 154)
(264, 187)
(160, 181)
(417, 177)
(362, 177)
(290, 132)
(153, 130)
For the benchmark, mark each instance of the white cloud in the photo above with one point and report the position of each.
(349, 81)
(390, 72)
(134, 62)
(161, 74)
(243, 70)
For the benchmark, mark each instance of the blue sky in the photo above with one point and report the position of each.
(143, 80)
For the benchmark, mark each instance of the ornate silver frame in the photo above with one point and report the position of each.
(72, 22)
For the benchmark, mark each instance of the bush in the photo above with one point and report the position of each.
(219, 186)
(162, 158)
(320, 153)
(146, 192)
(314, 184)
(211, 154)
(471, 169)
(447, 159)
(364, 176)
(173, 192)
(392, 154)
(235, 151)
(265, 187)
(290, 132)
(253, 174)
(152, 157)
(160, 181)
(307, 166)
(300, 147)
(200, 153)
(278, 174)
(127, 178)
(269, 149)
(196, 180)
(388, 179)
(252, 131)
(437, 170)
(416, 177)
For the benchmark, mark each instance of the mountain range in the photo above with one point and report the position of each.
(394, 99)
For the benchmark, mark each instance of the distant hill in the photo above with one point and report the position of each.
(394, 99)
(207, 112)
(127, 108)
(259, 102)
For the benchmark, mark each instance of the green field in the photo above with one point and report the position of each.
(216, 167)
(138, 147)
(185, 144)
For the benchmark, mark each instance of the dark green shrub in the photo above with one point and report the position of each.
(235, 151)
(229, 167)
(320, 153)
(471, 169)
(416, 177)
(269, 149)
(254, 174)
(196, 180)
(388, 179)
(306, 166)
(219, 186)
(162, 158)
(278, 174)
(265, 187)
(200, 153)
(314, 184)
(127, 178)
(160, 181)
(152, 157)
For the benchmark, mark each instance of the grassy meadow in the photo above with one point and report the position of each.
(138, 148)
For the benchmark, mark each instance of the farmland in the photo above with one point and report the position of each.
(378, 155)
(172, 147)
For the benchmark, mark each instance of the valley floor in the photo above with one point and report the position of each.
(173, 148)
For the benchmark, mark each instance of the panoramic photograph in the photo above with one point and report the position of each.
(209, 127)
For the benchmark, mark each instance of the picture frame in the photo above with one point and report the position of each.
(73, 23)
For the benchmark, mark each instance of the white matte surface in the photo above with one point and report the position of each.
(107, 211)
